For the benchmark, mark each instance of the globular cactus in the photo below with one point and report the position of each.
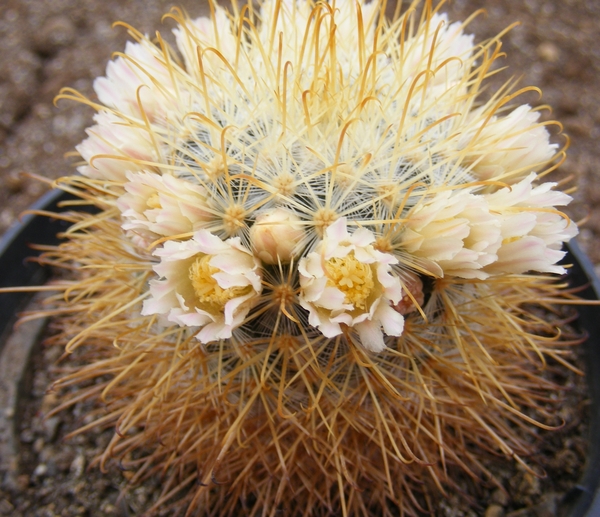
(309, 288)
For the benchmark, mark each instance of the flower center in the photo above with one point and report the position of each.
(210, 296)
(352, 277)
(153, 201)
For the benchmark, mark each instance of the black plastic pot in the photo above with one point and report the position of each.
(15, 250)
(583, 500)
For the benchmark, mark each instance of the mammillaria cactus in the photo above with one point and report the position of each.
(309, 287)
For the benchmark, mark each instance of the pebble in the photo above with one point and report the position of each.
(499, 497)
(76, 489)
(494, 510)
(567, 460)
(108, 509)
(78, 465)
(26, 436)
(40, 471)
(51, 426)
(49, 401)
(548, 52)
(38, 445)
(141, 495)
(22, 482)
(6, 506)
(14, 182)
(547, 508)
(531, 484)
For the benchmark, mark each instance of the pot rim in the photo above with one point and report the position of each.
(16, 268)
(584, 498)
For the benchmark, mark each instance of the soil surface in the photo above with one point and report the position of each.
(49, 44)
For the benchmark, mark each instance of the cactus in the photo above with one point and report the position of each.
(312, 283)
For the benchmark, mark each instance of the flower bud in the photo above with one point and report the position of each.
(275, 236)
(411, 284)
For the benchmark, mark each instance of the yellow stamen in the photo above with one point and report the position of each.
(352, 277)
(153, 201)
(508, 240)
(210, 296)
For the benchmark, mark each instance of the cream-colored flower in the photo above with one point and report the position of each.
(507, 148)
(293, 16)
(205, 282)
(442, 48)
(533, 232)
(138, 73)
(276, 236)
(454, 232)
(347, 282)
(204, 33)
(163, 204)
(113, 148)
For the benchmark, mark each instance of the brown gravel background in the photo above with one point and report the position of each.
(48, 44)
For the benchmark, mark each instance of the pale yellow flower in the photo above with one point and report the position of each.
(468, 235)
(163, 205)
(206, 33)
(532, 232)
(454, 233)
(293, 17)
(509, 147)
(445, 45)
(114, 148)
(205, 283)
(138, 75)
(346, 282)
